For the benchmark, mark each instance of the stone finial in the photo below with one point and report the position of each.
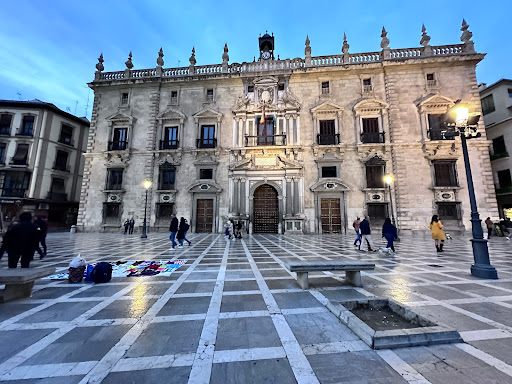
(192, 58)
(160, 59)
(100, 66)
(344, 49)
(425, 39)
(385, 41)
(225, 55)
(128, 62)
(307, 49)
(466, 38)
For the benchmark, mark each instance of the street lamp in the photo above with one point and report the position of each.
(388, 179)
(147, 185)
(466, 126)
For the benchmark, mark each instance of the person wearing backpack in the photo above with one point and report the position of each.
(173, 228)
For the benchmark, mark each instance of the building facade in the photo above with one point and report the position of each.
(41, 161)
(286, 145)
(497, 111)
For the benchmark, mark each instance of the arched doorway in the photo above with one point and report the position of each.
(266, 210)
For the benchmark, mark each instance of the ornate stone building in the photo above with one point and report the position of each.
(286, 145)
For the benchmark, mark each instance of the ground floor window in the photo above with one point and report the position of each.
(111, 213)
(164, 212)
(377, 211)
(448, 211)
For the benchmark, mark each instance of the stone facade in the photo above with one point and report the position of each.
(334, 126)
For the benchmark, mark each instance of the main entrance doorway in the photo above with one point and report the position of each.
(266, 210)
(330, 215)
(204, 220)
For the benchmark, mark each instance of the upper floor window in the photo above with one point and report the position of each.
(5, 124)
(21, 155)
(27, 126)
(371, 133)
(174, 97)
(61, 161)
(328, 135)
(207, 139)
(510, 92)
(114, 179)
(206, 173)
(498, 145)
(58, 190)
(209, 95)
(436, 127)
(367, 85)
(170, 140)
(504, 178)
(119, 139)
(325, 87)
(280, 87)
(66, 134)
(330, 171)
(488, 104)
(445, 173)
(374, 175)
(3, 147)
(250, 88)
(167, 177)
(266, 134)
(431, 80)
(15, 184)
(124, 98)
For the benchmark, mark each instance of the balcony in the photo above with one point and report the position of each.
(332, 139)
(62, 167)
(26, 132)
(500, 155)
(66, 141)
(169, 144)
(367, 138)
(13, 192)
(437, 134)
(206, 143)
(22, 162)
(57, 196)
(117, 145)
(113, 187)
(254, 141)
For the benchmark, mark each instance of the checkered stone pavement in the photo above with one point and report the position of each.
(234, 314)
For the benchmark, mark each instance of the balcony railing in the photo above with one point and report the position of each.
(437, 134)
(500, 155)
(206, 143)
(18, 162)
(66, 140)
(372, 137)
(117, 145)
(169, 144)
(26, 132)
(62, 167)
(13, 192)
(57, 196)
(114, 187)
(254, 141)
(328, 139)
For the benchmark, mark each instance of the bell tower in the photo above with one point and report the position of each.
(266, 43)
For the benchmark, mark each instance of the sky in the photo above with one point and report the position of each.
(49, 49)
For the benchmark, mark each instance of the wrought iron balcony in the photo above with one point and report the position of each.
(367, 138)
(206, 143)
(169, 144)
(13, 192)
(254, 141)
(323, 139)
(437, 134)
(117, 145)
(113, 187)
(57, 196)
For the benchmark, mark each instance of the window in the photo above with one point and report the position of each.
(61, 161)
(5, 124)
(58, 190)
(374, 176)
(328, 134)
(15, 184)
(3, 147)
(207, 139)
(371, 132)
(124, 98)
(119, 140)
(445, 174)
(170, 138)
(21, 155)
(114, 179)
(280, 87)
(498, 144)
(111, 213)
(27, 127)
(167, 177)
(488, 105)
(329, 171)
(209, 95)
(448, 211)
(66, 133)
(325, 88)
(206, 174)
(378, 212)
(504, 178)
(174, 97)
(436, 127)
(266, 132)
(250, 88)
(431, 80)
(164, 212)
(367, 85)
(510, 92)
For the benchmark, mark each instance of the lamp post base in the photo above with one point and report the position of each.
(482, 267)
(484, 271)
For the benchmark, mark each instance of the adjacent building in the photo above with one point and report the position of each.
(287, 145)
(41, 161)
(497, 111)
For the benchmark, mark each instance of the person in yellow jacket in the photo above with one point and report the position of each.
(437, 233)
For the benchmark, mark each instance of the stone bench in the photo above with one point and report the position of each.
(19, 281)
(352, 270)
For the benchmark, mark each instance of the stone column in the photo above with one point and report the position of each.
(295, 197)
(231, 182)
(295, 135)
(289, 198)
(236, 195)
(243, 198)
(236, 125)
(241, 133)
(287, 130)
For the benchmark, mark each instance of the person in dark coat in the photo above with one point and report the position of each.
(42, 230)
(364, 226)
(132, 224)
(126, 226)
(21, 241)
(181, 232)
(174, 230)
(389, 233)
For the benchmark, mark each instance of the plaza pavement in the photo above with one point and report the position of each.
(233, 314)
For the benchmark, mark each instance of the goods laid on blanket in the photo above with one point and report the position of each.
(132, 269)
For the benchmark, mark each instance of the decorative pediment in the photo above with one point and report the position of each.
(445, 150)
(288, 163)
(246, 163)
(206, 159)
(241, 104)
(291, 100)
(117, 159)
(173, 159)
(267, 80)
(330, 185)
(375, 160)
(207, 113)
(327, 107)
(434, 101)
(328, 157)
(171, 114)
(374, 155)
(205, 187)
(370, 106)
(120, 117)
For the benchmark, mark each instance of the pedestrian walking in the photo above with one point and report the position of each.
(239, 229)
(126, 226)
(366, 234)
(437, 233)
(182, 230)
(490, 225)
(389, 233)
(132, 225)
(21, 241)
(186, 228)
(42, 230)
(174, 230)
(356, 224)
(231, 230)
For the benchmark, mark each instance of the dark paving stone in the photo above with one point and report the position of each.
(353, 367)
(60, 312)
(274, 273)
(282, 283)
(167, 339)
(439, 292)
(275, 371)
(246, 332)
(80, 344)
(53, 292)
(394, 292)
(239, 303)
(12, 342)
(239, 274)
(499, 348)
(48, 380)
(15, 308)
(125, 308)
(100, 291)
(206, 287)
(343, 294)
(185, 306)
(149, 289)
(490, 311)
(174, 375)
(296, 300)
(480, 290)
(247, 285)
(202, 276)
(244, 266)
(452, 319)
(314, 328)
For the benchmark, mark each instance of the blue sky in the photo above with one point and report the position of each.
(49, 49)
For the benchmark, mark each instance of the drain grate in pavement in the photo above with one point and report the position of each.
(435, 265)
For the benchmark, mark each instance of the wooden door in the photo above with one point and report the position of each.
(330, 215)
(204, 220)
(266, 210)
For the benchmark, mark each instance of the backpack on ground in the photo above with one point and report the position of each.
(102, 273)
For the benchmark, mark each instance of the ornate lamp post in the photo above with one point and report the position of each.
(147, 185)
(388, 179)
(466, 126)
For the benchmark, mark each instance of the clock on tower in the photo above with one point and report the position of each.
(266, 43)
